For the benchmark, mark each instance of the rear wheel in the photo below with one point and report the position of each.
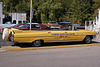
(37, 43)
(87, 40)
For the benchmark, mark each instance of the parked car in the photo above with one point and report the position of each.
(65, 25)
(34, 26)
(52, 22)
(15, 26)
(38, 37)
(53, 25)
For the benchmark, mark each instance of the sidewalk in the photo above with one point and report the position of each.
(4, 48)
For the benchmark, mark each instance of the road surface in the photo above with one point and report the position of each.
(60, 57)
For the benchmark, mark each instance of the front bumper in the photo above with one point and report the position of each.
(94, 36)
(11, 38)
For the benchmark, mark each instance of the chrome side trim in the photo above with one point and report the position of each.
(65, 41)
(44, 36)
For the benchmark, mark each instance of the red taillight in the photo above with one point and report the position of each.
(60, 25)
(13, 32)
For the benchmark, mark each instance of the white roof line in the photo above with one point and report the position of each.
(32, 23)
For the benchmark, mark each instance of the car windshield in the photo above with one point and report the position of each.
(15, 25)
(43, 26)
(26, 25)
(20, 26)
(35, 26)
(32, 26)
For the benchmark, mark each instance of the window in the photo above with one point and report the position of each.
(37, 26)
(25, 22)
(15, 25)
(19, 22)
(20, 25)
(14, 22)
(45, 27)
(26, 26)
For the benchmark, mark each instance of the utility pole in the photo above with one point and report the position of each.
(30, 14)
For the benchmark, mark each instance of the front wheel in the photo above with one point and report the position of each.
(37, 43)
(87, 40)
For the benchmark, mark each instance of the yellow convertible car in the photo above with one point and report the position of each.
(38, 37)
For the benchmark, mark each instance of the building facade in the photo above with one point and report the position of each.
(1, 13)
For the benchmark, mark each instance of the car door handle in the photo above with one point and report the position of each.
(65, 32)
(49, 32)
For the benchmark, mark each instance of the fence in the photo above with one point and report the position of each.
(91, 25)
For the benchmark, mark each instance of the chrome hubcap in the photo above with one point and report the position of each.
(88, 40)
(37, 43)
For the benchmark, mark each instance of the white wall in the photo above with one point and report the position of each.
(99, 19)
(0, 12)
(18, 17)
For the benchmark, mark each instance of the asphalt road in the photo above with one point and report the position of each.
(60, 57)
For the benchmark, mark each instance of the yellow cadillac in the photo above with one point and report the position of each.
(38, 37)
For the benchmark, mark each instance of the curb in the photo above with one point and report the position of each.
(50, 47)
(2, 50)
(5, 48)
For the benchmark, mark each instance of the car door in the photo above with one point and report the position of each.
(56, 36)
(52, 36)
(74, 36)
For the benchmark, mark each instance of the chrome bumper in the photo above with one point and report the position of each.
(94, 36)
(11, 38)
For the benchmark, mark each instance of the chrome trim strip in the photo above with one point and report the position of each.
(64, 40)
(48, 36)
(34, 36)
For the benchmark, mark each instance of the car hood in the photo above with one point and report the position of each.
(89, 32)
